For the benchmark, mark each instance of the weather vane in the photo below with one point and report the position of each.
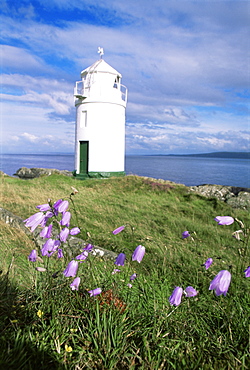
(100, 51)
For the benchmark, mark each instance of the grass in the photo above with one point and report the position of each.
(125, 328)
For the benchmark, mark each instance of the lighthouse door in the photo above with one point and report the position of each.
(84, 156)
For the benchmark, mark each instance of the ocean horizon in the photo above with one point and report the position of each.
(189, 170)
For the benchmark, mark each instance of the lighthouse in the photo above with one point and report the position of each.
(100, 101)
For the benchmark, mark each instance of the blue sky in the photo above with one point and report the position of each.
(185, 64)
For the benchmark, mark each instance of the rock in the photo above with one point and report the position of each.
(31, 173)
(236, 197)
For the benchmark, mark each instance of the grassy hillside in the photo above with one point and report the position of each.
(126, 328)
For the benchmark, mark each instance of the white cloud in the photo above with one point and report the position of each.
(19, 59)
(29, 137)
(185, 66)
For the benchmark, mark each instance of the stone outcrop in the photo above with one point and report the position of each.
(236, 197)
(31, 173)
(73, 246)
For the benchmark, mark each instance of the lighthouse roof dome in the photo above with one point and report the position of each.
(102, 67)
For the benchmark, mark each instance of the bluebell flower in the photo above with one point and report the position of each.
(34, 220)
(175, 298)
(95, 292)
(71, 269)
(33, 256)
(62, 206)
(247, 272)
(88, 247)
(185, 234)
(190, 291)
(82, 257)
(60, 253)
(115, 271)
(50, 245)
(120, 260)
(75, 284)
(133, 277)
(138, 253)
(65, 221)
(221, 282)
(74, 231)
(64, 233)
(118, 230)
(208, 263)
(224, 220)
(46, 232)
(44, 207)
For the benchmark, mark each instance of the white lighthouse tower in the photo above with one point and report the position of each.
(100, 101)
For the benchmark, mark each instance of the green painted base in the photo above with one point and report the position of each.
(97, 175)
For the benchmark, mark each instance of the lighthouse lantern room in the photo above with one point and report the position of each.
(100, 101)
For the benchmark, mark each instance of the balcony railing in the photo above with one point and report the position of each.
(81, 91)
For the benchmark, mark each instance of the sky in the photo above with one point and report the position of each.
(185, 63)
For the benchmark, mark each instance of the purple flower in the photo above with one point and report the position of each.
(115, 271)
(71, 269)
(49, 246)
(118, 230)
(60, 253)
(190, 291)
(34, 220)
(247, 272)
(208, 263)
(175, 298)
(120, 260)
(75, 284)
(221, 282)
(43, 207)
(185, 234)
(95, 292)
(33, 256)
(62, 206)
(46, 231)
(129, 285)
(224, 220)
(56, 205)
(138, 253)
(64, 233)
(88, 247)
(65, 221)
(82, 256)
(75, 231)
(133, 277)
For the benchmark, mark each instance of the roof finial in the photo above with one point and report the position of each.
(100, 51)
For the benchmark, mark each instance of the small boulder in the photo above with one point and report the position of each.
(31, 173)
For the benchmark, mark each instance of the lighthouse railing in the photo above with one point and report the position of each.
(124, 92)
(80, 90)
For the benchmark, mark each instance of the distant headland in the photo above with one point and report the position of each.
(238, 155)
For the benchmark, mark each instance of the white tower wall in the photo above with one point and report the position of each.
(100, 102)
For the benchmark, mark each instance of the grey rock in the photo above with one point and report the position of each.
(236, 197)
(31, 173)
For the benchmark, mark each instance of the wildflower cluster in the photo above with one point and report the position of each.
(54, 219)
(220, 284)
(52, 216)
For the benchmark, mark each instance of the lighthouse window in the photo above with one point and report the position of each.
(116, 82)
(83, 120)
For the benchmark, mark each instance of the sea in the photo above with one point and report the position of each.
(190, 171)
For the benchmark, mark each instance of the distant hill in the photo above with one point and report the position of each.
(239, 155)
